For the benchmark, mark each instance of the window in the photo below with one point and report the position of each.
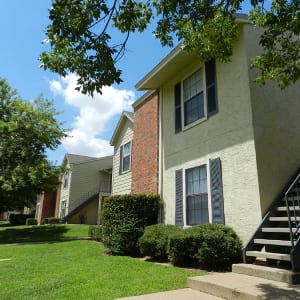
(193, 98)
(192, 204)
(65, 179)
(125, 157)
(196, 196)
(196, 96)
(62, 209)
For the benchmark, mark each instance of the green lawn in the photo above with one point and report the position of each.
(23, 234)
(79, 270)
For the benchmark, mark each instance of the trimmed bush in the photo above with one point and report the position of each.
(96, 232)
(31, 221)
(220, 248)
(183, 247)
(124, 219)
(209, 246)
(50, 220)
(18, 219)
(154, 242)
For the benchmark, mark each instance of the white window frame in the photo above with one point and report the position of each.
(122, 158)
(191, 166)
(204, 118)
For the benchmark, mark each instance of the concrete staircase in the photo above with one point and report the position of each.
(249, 282)
(277, 238)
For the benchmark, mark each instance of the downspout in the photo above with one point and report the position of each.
(160, 153)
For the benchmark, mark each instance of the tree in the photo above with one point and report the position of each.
(27, 130)
(80, 35)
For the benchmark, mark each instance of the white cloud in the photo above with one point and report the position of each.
(94, 116)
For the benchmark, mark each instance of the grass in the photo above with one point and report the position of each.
(24, 234)
(80, 270)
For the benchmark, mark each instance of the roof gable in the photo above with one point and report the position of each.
(177, 59)
(126, 115)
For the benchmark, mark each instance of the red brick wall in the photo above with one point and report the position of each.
(145, 147)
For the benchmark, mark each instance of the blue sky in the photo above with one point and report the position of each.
(92, 121)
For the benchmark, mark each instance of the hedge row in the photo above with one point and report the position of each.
(124, 219)
(50, 220)
(18, 219)
(96, 232)
(31, 221)
(209, 246)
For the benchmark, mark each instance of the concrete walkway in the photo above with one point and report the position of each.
(182, 294)
(264, 283)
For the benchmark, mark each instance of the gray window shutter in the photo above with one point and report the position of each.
(216, 188)
(179, 198)
(211, 90)
(177, 103)
(121, 158)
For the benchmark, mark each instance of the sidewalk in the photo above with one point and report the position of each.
(229, 286)
(182, 294)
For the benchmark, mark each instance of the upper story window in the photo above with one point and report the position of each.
(195, 96)
(125, 157)
(65, 179)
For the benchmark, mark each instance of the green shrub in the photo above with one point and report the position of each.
(50, 220)
(124, 219)
(184, 245)
(209, 246)
(31, 221)
(18, 219)
(96, 232)
(154, 241)
(220, 248)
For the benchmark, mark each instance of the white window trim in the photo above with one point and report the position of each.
(187, 167)
(186, 127)
(122, 146)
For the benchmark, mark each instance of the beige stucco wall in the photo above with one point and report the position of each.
(121, 183)
(276, 115)
(227, 134)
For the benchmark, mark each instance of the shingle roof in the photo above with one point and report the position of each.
(74, 159)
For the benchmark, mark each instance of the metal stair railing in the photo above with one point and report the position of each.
(293, 201)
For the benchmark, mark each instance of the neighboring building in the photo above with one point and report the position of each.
(85, 182)
(122, 159)
(47, 205)
(227, 145)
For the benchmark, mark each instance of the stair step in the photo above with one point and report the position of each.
(284, 219)
(242, 287)
(283, 208)
(278, 229)
(272, 242)
(271, 273)
(270, 255)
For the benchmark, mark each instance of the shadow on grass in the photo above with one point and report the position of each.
(32, 234)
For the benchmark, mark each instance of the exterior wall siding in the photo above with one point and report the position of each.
(65, 191)
(121, 183)
(86, 181)
(228, 134)
(145, 147)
